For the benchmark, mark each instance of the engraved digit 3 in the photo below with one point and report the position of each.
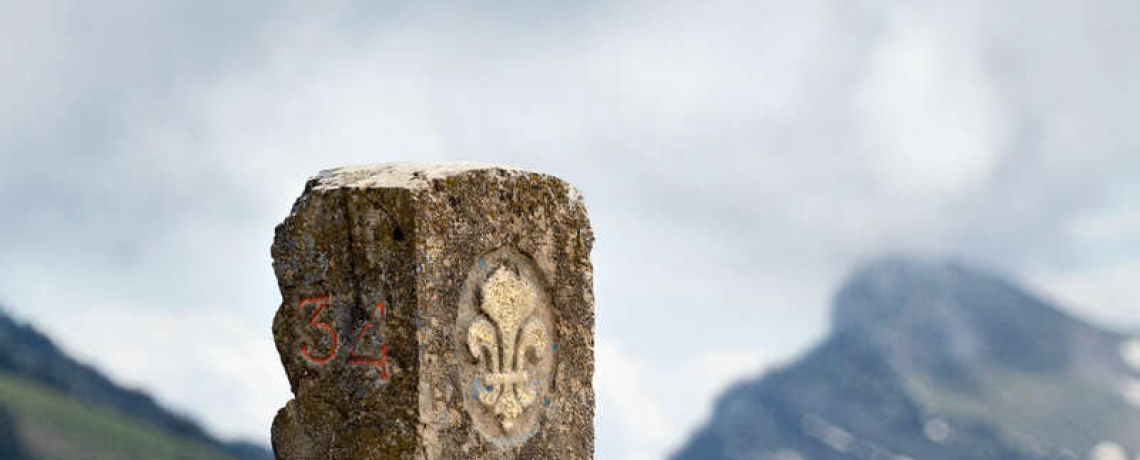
(382, 362)
(321, 303)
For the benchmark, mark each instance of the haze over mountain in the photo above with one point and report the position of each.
(52, 406)
(935, 360)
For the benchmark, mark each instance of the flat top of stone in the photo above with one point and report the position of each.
(412, 175)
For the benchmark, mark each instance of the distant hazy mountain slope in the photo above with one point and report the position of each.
(28, 358)
(11, 446)
(935, 361)
(50, 425)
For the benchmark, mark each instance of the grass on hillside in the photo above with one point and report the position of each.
(54, 426)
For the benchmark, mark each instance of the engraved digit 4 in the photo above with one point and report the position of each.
(321, 303)
(382, 361)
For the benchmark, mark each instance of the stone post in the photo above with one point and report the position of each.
(435, 311)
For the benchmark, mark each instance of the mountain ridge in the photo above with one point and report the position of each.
(32, 356)
(934, 360)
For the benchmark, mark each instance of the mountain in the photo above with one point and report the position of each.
(937, 361)
(10, 446)
(52, 406)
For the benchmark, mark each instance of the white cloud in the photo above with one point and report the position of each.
(655, 408)
(622, 388)
(930, 110)
(210, 362)
(1107, 293)
(737, 158)
(1110, 232)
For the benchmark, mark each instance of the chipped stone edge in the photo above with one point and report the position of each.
(410, 175)
(418, 176)
(415, 175)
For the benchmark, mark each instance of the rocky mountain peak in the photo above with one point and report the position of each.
(944, 316)
(936, 360)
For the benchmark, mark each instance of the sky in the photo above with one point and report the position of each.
(738, 158)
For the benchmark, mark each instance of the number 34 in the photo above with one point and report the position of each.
(327, 330)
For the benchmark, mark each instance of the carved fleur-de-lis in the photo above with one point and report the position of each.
(510, 302)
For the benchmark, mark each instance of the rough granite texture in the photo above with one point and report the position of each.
(435, 311)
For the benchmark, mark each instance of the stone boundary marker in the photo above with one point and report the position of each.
(435, 311)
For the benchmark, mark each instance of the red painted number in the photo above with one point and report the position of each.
(355, 356)
(321, 303)
(363, 360)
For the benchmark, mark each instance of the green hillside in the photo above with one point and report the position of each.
(51, 425)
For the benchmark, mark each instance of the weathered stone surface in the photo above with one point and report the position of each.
(435, 311)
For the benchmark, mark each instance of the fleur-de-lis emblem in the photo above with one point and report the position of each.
(508, 380)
